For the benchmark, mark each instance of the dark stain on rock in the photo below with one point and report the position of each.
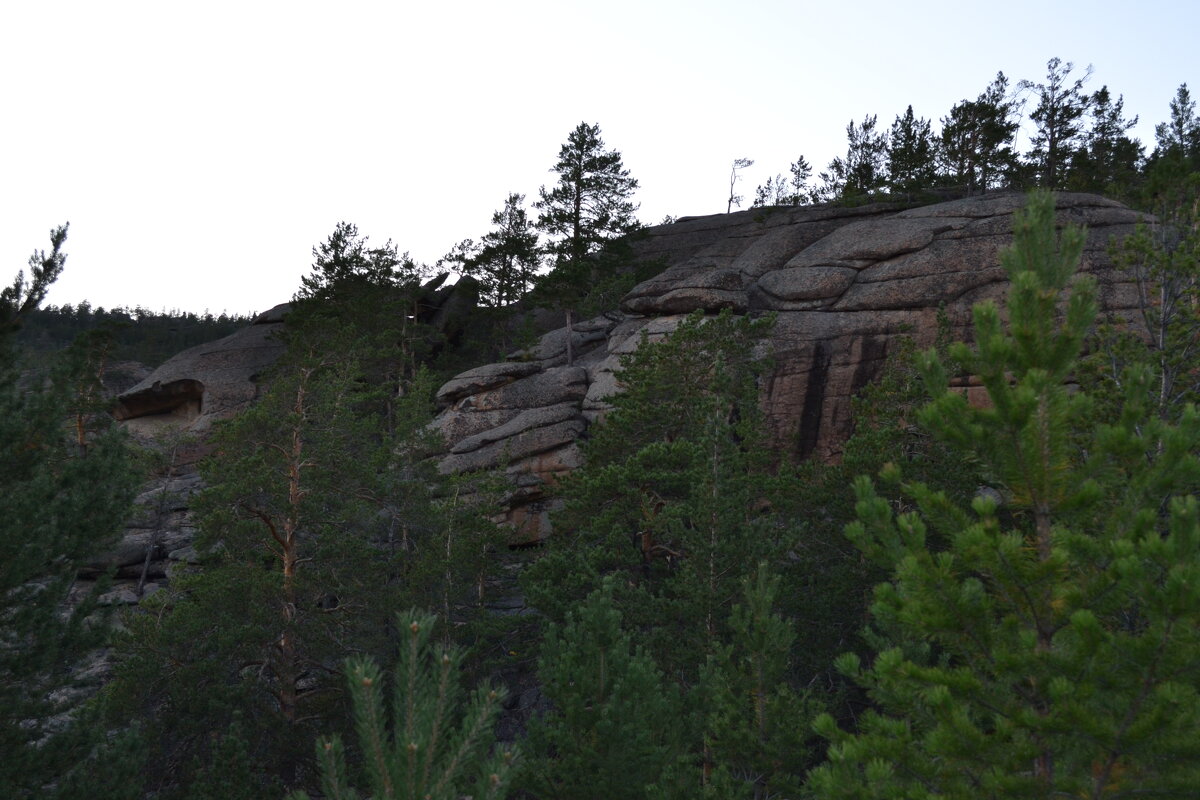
(814, 400)
(871, 359)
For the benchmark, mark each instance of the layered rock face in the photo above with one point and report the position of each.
(172, 409)
(843, 284)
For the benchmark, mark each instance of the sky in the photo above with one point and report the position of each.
(201, 150)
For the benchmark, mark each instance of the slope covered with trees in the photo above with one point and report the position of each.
(1031, 630)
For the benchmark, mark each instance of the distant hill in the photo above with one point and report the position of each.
(148, 337)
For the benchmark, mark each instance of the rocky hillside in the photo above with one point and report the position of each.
(843, 282)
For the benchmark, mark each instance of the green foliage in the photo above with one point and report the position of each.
(1180, 137)
(976, 148)
(790, 191)
(672, 495)
(591, 203)
(345, 266)
(1164, 260)
(20, 299)
(587, 211)
(66, 484)
(320, 517)
(228, 774)
(437, 746)
(138, 334)
(756, 726)
(507, 257)
(365, 300)
(680, 497)
(1108, 162)
(1046, 648)
(910, 155)
(1059, 121)
(862, 172)
(614, 725)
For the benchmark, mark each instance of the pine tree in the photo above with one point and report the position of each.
(1047, 648)
(613, 726)
(1172, 174)
(297, 572)
(1181, 135)
(592, 201)
(589, 209)
(670, 493)
(910, 155)
(507, 258)
(975, 149)
(790, 191)
(319, 518)
(1164, 260)
(1059, 119)
(436, 745)
(1108, 162)
(374, 292)
(345, 265)
(862, 172)
(754, 721)
(66, 485)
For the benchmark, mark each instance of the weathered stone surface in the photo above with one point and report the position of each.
(844, 283)
(210, 380)
(526, 443)
(479, 379)
(546, 388)
(807, 283)
(526, 420)
(551, 349)
(136, 544)
(453, 426)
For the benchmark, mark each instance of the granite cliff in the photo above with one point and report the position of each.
(844, 283)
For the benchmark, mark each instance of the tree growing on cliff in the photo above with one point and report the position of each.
(589, 208)
(863, 170)
(792, 190)
(1181, 135)
(1059, 119)
(975, 148)
(1047, 648)
(737, 166)
(910, 154)
(591, 203)
(375, 291)
(1109, 160)
(506, 259)
(65, 489)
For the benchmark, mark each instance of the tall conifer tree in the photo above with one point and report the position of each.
(976, 150)
(1059, 119)
(66, 485)
(1047, 648)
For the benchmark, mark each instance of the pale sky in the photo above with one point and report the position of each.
(200, 150)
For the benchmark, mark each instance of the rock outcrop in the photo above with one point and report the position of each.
(205, 382)
(843, 284)
(173, 408)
